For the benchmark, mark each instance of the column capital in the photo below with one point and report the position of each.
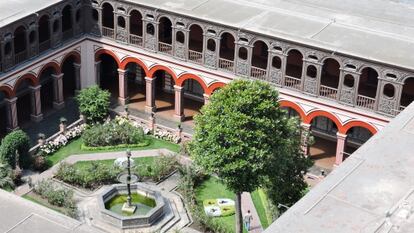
(206, 96)
(121, 71)
(178, 88)
(148, 79)
(341, 135)
(35, 88)
(57, 76)
(305, 125)
(97, 62)
(11, 100)
(77, 65)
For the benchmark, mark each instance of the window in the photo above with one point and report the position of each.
(311, 71)
(211, 45)
(389, 90)
(7, 48)
(150, 29)
(180, 37)
(121, 22)
(55, 25)
(78, 16)
(32, 37)
(95, 15)
(349, 80)
(276, 62)
(243, 53)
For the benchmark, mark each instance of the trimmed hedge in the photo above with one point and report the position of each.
(16, 141)
(129, 146)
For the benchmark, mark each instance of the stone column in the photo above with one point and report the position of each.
(206, 99)
(98, 72)
(36, 104)
(340, 146)
(77, 76)
(178, 103)
(123, 87)
(58, 102)
(305, 133)
(149, 95)
(12, 121)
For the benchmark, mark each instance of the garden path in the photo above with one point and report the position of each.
(247, 204)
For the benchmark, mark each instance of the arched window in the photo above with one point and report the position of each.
(330, 73)
(311, 71)
(294, 64)
(95, 15)
(180, 37)
(135, 23)
(243, 53)
(349, 81)
(276, 62)
(19, 40)
(165, 30)
(107, 15)
(407, 95)
(44, 29)
(150, 29)
(66, 18)
(368, 82)
(56, 26)
(121, 22)
(211, 45)
(389, 90)
(260, 54)
(196, 38)
(227, 46)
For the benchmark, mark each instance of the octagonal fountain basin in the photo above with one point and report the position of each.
(150, 206)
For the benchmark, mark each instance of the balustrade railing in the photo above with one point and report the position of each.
(365, 102)
(108, 32)
(328, 92)
(258, 73)
(292, 82)
(43, 46)
(135, 40)
(195, 56)
(165, 48)
(226, 64)
(20, 57)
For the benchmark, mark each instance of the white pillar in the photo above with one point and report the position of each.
(123, 87)
(306, 130)
(149, 95)
(58, 102)
(12, 121)
(206, 99)
(340, 146)
(178, 103)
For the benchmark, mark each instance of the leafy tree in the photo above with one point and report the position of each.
(6, 180)
(245, 138)
(16, 141)
(93, 103)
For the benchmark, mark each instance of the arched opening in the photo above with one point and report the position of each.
(107, 16)
(69, 77)
(95, 15)
(165, 31)
(193, 99)
(3, 114)
(66, 19)
(349, 81)
(330, 73)
(311, 71)
(47, 92)
(276, 62)
(260, 55)
(291, 112)
(23, 103)
(109, 77)
(20, 44)
(356, 137)
(136, 86)
(367, 88)
(135, 23)
(294, 65)
(323, 151)
(121, 22)
(164, 94)
(227, 47)
(407, 95)
(195, 43)
(44, 33)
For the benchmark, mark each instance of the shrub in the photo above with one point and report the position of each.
(6, 180)
(58, 196)
(16, 141)
(112, 133)
(93, 103)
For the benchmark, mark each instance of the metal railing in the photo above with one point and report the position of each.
(328, 92)
(165, 48)
(108, 32)
(45, 45)
(135, 40)
(226, 64)
(365, 102)
(292, 82)
(258, 73)
(195, 56)
(20, 57)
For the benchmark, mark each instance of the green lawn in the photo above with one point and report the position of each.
(74, 147)
(82, 165)
(260, 202)
(212, 189)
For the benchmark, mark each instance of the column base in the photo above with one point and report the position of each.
(123, 101)
(179, 118)
(149, 109)
(59, 105)
(36, 118)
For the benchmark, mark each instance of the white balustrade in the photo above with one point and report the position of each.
(165, 48)
(135, 40)
(292, 82)
(328, 92)
(226, 64)
(258, 73)
(195, 56)
(365, 102)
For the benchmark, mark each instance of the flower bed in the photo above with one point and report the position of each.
(52, 146)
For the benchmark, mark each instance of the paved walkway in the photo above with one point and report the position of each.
(247, 204)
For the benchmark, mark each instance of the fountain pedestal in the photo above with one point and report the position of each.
(130, 209)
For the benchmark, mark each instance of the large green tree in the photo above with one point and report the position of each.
(94, 103)
(245, 138)
(15, 146)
